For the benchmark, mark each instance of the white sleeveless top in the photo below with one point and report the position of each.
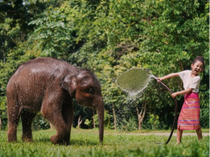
(190, 82)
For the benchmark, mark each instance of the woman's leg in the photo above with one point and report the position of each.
(179, 136)
(199, 134)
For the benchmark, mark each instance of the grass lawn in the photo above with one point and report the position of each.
(85, 143)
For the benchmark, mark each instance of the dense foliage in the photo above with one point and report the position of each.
(110, 37)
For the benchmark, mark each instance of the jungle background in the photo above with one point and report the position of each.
(109, 37)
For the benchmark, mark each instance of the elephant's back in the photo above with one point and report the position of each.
(43, 68)
(46, 65)
(38, 74)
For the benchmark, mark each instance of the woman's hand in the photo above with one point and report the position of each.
(174, 94)
(158, 79)
(183, 92)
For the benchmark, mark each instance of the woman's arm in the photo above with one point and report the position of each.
(168, 76)
(187, 91)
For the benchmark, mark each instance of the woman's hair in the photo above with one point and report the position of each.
(199, 58)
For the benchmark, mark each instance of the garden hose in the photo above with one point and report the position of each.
(175, 117)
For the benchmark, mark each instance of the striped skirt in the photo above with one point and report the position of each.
(190, 113)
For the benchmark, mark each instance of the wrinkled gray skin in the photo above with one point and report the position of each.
(49, 85)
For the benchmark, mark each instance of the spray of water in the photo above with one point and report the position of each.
(134, 81)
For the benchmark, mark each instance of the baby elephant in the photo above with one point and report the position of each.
(49, 86)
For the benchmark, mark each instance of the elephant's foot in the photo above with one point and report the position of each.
(27, 139)
(56, 139)
(11, 137)
(27, 136)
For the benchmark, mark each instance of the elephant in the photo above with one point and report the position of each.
(49, 86)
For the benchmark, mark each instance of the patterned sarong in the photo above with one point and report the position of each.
(190, 113)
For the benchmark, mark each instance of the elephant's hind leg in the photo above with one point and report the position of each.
(67, 112)
(27, 118)
(13, 118)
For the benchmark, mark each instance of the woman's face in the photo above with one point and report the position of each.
(197, 67)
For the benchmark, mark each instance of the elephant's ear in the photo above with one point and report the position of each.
(69, 83)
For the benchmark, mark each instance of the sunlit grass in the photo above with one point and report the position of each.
(86, 143)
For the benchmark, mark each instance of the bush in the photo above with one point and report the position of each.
(129, 125)
(40, 123)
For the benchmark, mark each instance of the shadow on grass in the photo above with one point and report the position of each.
(72, 142)
(42, 140)
(83, 142)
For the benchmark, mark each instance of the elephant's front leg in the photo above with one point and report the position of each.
(53, 113)
(67, 114)
(61, 137)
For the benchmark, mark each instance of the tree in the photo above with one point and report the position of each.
(110, 37)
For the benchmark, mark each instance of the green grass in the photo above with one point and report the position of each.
(85, 143)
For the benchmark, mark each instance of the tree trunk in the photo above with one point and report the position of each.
(141, 114)
(51, 126)
(115, 123)
(100, 111)
(94, 126)
(79, 122)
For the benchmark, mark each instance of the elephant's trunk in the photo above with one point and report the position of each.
(100, 110)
